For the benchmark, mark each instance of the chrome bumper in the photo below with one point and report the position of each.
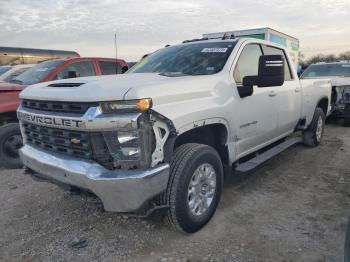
(119, 190)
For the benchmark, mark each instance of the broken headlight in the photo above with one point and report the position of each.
(131, 145)
(123, 146)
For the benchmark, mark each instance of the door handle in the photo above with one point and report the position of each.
(272, 93)
(297, 90)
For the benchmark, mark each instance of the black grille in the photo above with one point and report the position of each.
(61, 141)
(64, 107)
(86, 145)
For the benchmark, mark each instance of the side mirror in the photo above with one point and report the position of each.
(246, 89)
(270, 72)
(72, 74)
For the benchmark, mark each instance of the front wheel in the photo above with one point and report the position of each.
(10, 142)
(194, 187)
(313, 135)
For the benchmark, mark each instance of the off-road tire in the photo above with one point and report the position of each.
(7, 132)
(186, 159)
(310, 135)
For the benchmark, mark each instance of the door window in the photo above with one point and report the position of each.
(79, 69)
(269, 50)
(110, 68)
(248, 62)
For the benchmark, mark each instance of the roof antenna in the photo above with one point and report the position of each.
(116, 53)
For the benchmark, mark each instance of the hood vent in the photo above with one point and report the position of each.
(65, 84)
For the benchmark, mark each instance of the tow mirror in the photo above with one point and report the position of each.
(246, 89)
(72, 74)
(270, 72)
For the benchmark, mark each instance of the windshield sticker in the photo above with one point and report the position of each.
(210, 68)
(345, 65)
(214, 50)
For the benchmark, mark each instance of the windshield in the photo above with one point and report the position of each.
(326, 70)
(37, 73)
(4, 69)
(191, 59)
(14, 74)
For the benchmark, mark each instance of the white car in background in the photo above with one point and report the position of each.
(339, 73)
(4, 69)
(14, 71)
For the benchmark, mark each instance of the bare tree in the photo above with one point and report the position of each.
(316, 59)
(323, 58)
(344, 56)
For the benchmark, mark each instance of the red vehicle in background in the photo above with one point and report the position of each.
(10, 137)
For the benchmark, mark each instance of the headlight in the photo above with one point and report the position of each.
(129, 106)
(131, 145)
(123, 146)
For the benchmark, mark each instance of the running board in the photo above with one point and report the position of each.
(263, 157)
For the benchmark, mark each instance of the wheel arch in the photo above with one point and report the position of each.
(323, 103)
(211, 132)
(8, 117)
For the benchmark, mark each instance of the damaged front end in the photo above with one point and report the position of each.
(122, 157)
(341, 102)
(139, 146)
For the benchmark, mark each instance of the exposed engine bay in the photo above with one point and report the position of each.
(341, 103)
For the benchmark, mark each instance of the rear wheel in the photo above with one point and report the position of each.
(313, 135)
(10, 143)
(194, 188)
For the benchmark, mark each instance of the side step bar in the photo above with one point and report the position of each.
(263, 157)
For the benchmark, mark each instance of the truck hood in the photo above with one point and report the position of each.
(5, 86)
(88, 89)
(109, 88)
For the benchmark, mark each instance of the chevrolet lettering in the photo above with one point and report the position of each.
(47, 120)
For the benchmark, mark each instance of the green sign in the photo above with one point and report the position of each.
(257, 36)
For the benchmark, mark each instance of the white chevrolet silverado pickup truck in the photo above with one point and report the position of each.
(164, 135)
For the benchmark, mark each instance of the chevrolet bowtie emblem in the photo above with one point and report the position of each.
(75, 141)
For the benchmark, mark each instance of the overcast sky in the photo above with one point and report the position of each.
(88, 26)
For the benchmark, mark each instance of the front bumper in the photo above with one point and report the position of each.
(119, 190)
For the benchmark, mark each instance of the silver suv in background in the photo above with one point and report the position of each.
(339, 73)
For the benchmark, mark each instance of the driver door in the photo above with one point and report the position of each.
(255, 117)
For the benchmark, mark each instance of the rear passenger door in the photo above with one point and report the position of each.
(287, 97)
(79, 69)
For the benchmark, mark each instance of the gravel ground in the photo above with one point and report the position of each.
(294, 208)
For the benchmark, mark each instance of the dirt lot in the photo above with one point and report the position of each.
(294, 208)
